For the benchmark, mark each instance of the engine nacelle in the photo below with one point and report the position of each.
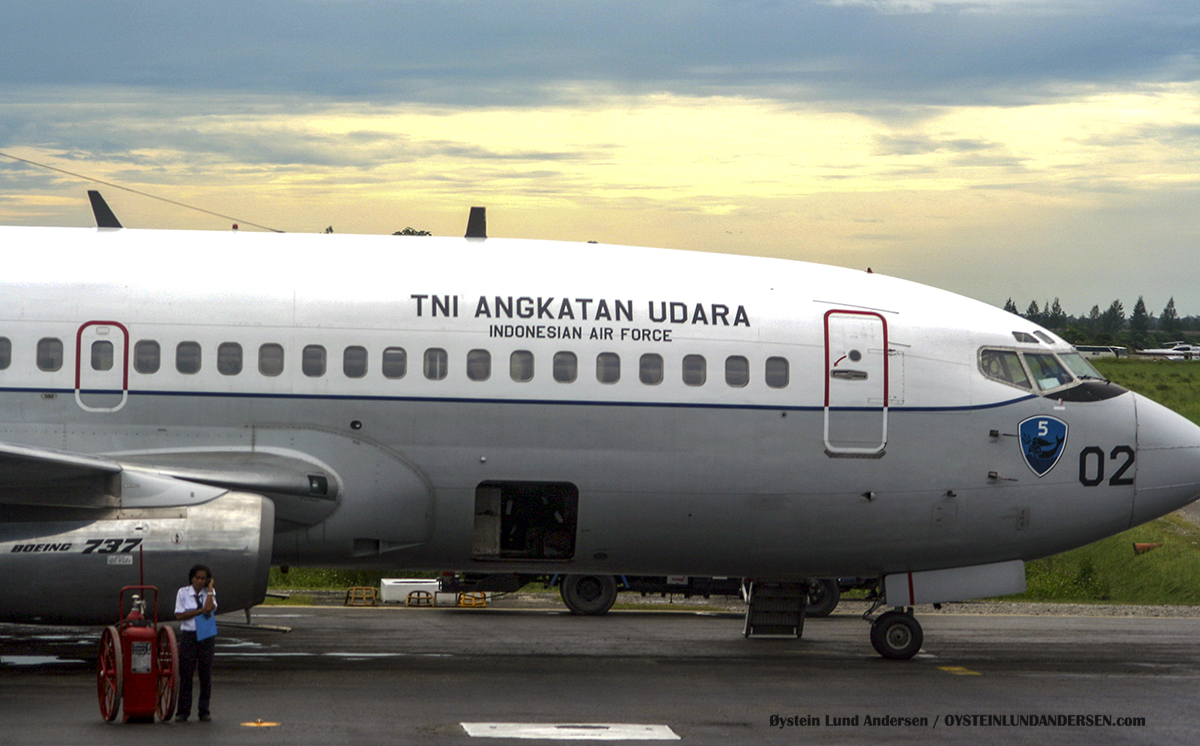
(71, 571)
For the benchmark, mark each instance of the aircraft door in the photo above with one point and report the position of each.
(856, 383)
(102, 366)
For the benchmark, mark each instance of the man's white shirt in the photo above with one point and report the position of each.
(186, 600)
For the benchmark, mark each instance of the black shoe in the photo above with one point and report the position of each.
(181, 718)
(205, 718)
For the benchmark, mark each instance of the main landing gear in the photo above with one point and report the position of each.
(896, 634)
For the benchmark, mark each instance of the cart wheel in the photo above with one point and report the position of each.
(108, 674)
(166, 654)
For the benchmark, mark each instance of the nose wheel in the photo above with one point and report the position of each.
(897, 635)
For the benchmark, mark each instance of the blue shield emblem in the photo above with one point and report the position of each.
(1043, 440)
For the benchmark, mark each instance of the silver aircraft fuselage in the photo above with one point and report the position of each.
(508, 405)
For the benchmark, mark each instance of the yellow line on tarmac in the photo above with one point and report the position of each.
(959, 671)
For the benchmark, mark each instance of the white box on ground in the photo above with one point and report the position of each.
(396, 590)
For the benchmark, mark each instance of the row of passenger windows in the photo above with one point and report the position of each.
(189, 358)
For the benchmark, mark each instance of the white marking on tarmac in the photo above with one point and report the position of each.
(572, 731)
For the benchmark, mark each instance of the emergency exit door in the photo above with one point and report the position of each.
(102, 366)
(856, 383)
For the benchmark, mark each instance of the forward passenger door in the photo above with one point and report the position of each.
(856, 383)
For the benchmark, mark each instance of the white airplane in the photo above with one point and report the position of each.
(1175, 351)
(493, 405)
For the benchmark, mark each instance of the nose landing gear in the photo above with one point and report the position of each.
(897, 634)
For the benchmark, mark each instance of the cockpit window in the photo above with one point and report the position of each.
(1025, 337)
(1045, 337)
(1080, 366)
(1004, 365)
(1047, 370)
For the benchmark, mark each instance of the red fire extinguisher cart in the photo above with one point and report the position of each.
(138, 663)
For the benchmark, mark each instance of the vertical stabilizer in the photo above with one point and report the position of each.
(477, 223)
(104, 215)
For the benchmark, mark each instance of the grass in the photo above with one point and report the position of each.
(1108, 571)
(312, 578)
(1174, 384)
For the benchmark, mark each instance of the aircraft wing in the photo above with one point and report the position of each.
(40, 476)
(46, 478)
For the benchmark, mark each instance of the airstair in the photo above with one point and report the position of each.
(775, 608)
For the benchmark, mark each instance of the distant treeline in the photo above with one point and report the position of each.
(1111, 326)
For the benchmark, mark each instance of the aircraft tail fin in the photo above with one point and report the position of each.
(477, 223)
(104, 215)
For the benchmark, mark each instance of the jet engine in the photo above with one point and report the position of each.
(70, 570)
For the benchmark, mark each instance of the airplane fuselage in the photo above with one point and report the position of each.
(507, 405)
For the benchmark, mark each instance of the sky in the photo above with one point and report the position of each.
(1024, 149)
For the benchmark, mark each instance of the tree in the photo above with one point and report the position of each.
(1093, 319)
(1011, 307)
(412, 232)
(329, 229)
(1033, 313)
(1055, 317)
(1139, 320)
(1112, 320)
(1169, 321)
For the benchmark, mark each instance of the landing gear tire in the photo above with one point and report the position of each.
(589, 595)
(823, 597)
(897, 635)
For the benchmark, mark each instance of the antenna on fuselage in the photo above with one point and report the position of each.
(477, 223)
(104, 214)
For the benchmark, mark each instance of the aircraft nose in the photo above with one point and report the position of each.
(1168, 461)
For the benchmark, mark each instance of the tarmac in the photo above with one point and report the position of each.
(438, 675)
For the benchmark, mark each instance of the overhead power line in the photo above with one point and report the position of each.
(137, 192)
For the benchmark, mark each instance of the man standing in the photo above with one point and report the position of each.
(198, 599)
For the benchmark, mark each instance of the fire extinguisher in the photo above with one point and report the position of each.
(138, 663)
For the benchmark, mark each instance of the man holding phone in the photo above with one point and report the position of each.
(195, 605)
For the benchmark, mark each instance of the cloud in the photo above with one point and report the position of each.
(540, 52)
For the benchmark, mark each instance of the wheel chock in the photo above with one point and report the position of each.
(360, 596)
(419, 598)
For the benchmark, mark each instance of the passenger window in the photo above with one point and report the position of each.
(395, 362)
(187, 357)
(354, 361)
(102, 355)
(608, 367)
(695, 370)
(650, 369)
(479, 365)
(1004, 365)
(1047, 370)
(566, 367)
(520, 365)
(777, 372)
(435, 363)
(5, 352)
(49, 354)
(737, 370)
(270, 359)
(312, 361)
(229, 358)
(147, 356)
